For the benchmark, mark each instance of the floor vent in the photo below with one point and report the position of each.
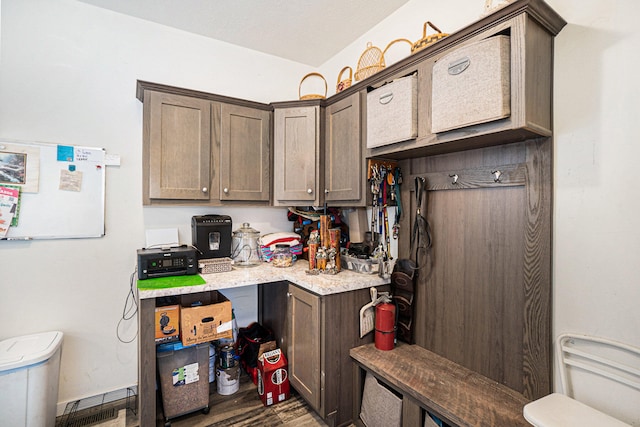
(83, 420)
(98, 409)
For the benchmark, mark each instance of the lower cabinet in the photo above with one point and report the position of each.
(316, 333)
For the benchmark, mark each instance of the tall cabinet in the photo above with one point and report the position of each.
(484, 290)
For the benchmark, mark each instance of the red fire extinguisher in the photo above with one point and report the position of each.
(385, 326)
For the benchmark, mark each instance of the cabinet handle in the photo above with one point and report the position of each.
(309, 191)
(386, 98)
(225, 190)
(205, 189)
(457, 67)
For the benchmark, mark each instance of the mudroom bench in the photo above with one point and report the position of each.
(429, 382)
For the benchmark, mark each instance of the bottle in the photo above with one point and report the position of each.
(282, 256)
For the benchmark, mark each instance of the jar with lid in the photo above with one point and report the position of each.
(282, 256)
(245, 250)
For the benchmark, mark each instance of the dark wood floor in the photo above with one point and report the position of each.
(244, 408)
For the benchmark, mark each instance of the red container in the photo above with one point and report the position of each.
(385, 326)
(273, 378)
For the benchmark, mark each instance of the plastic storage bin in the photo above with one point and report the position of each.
(29, 375)
(184, 378)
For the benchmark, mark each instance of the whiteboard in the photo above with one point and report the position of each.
(62, 193)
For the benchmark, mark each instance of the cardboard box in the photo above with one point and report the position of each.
(273, 378)
(167, 323)
(205, 316)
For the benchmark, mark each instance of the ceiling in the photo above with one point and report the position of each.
(305, 31)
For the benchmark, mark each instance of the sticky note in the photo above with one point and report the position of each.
(65, 153)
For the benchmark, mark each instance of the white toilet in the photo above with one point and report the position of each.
(616, 363)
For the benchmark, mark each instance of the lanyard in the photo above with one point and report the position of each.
(421, 236)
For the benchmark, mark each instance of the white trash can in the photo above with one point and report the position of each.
(29, 375)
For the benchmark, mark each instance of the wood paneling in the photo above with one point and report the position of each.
(484, 290)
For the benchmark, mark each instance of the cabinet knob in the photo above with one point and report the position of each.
(288, 294)
(225, 190)
(309, 191)
(205, 189)
(326, 191)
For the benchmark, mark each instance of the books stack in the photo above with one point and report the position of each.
(9, 198)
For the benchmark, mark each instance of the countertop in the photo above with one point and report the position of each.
(321, 284)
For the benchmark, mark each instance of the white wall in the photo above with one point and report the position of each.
(68, 72)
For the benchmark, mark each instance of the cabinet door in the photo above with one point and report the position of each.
(296, 155)
(343, 151)
(304, 345)
(273, 313)
(179, 147)
(245, 145)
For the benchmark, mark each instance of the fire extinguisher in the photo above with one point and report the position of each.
(385, 326)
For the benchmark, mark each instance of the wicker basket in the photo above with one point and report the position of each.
(371, 61)
(427, 40)
(344, 83)
(312, 95)
(386, 49)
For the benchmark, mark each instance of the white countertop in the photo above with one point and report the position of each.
(321, 284)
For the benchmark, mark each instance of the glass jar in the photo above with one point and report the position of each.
(282, 256)
(245, 250)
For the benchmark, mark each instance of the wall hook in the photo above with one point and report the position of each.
(496, 175)
(454, 181)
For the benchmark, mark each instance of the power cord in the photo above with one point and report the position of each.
(130, 308)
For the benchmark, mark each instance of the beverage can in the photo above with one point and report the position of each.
(227, 357)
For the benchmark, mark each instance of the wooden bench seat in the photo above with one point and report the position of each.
(457, 395)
